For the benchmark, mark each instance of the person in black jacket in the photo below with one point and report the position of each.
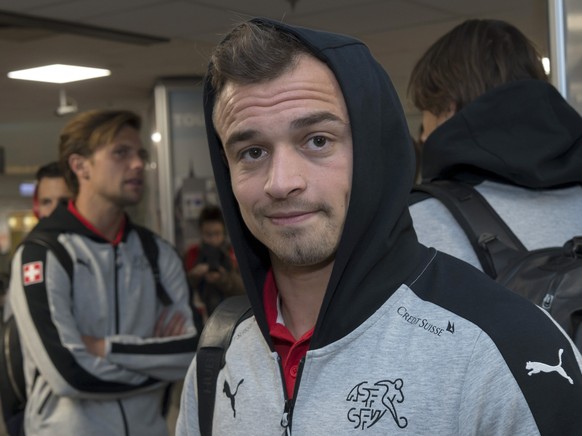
(491, 119)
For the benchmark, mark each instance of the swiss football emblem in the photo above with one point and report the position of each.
(32, 273)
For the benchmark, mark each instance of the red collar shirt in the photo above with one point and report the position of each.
(290, 350)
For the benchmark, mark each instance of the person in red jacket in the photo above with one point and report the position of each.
(211, 265)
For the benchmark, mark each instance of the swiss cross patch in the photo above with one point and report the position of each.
(32, 273)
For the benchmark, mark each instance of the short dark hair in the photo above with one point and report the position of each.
(51, 170)
(88, 131)
(253, 52)
(468, 61)
(210, 213)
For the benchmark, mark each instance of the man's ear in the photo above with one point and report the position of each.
(78, 165)
(451, 111)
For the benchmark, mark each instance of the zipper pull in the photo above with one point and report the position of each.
(286, 419)
(547, 302)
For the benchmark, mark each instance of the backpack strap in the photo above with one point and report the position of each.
(50, 242)
(12, 383)
(210, 356)
(151, 251)
(492, 240)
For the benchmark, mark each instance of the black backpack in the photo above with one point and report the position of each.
(12, 382)
(549, 277)
(12, 385)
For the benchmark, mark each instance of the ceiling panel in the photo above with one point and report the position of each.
(282, 9)
(83, 9)
(468, 7)
(384, 15)
(177, 19)
(23, 5)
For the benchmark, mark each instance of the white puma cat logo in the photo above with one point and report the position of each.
(537, 367)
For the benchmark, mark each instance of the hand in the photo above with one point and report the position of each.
(214, 276)
(95, 346)
(199, 270)
(174, 327)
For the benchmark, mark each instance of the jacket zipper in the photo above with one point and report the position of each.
(116, 267)
(286, 419)
(288, 409)
(123, 417)
(551, 292)
(116, 279)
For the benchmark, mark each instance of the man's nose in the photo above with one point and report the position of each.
(286, 173)
(138, 160)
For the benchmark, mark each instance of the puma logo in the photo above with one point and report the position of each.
(537, 367)
(230, 395)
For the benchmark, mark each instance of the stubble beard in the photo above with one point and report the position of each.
(132, 201)
(301, 246)
(298, 248)
(124, 200)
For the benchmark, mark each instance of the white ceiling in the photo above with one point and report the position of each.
(397, 32)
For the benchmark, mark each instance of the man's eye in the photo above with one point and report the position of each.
(318, 141)
(144, 155)
(253, 153)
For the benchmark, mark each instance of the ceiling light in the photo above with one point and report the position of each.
(59, 73)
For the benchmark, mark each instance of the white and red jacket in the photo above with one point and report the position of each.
(112, 296)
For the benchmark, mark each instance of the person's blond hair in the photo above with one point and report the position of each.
(87, 132)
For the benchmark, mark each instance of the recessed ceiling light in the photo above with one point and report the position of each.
(59, 73)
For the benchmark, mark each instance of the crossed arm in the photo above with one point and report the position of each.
(175, 326)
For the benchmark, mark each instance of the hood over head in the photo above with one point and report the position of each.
(523, 133)
(378, 250)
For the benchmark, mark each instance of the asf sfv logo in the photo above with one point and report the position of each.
(372, 401)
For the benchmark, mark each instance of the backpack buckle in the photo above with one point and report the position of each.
(486, 238)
